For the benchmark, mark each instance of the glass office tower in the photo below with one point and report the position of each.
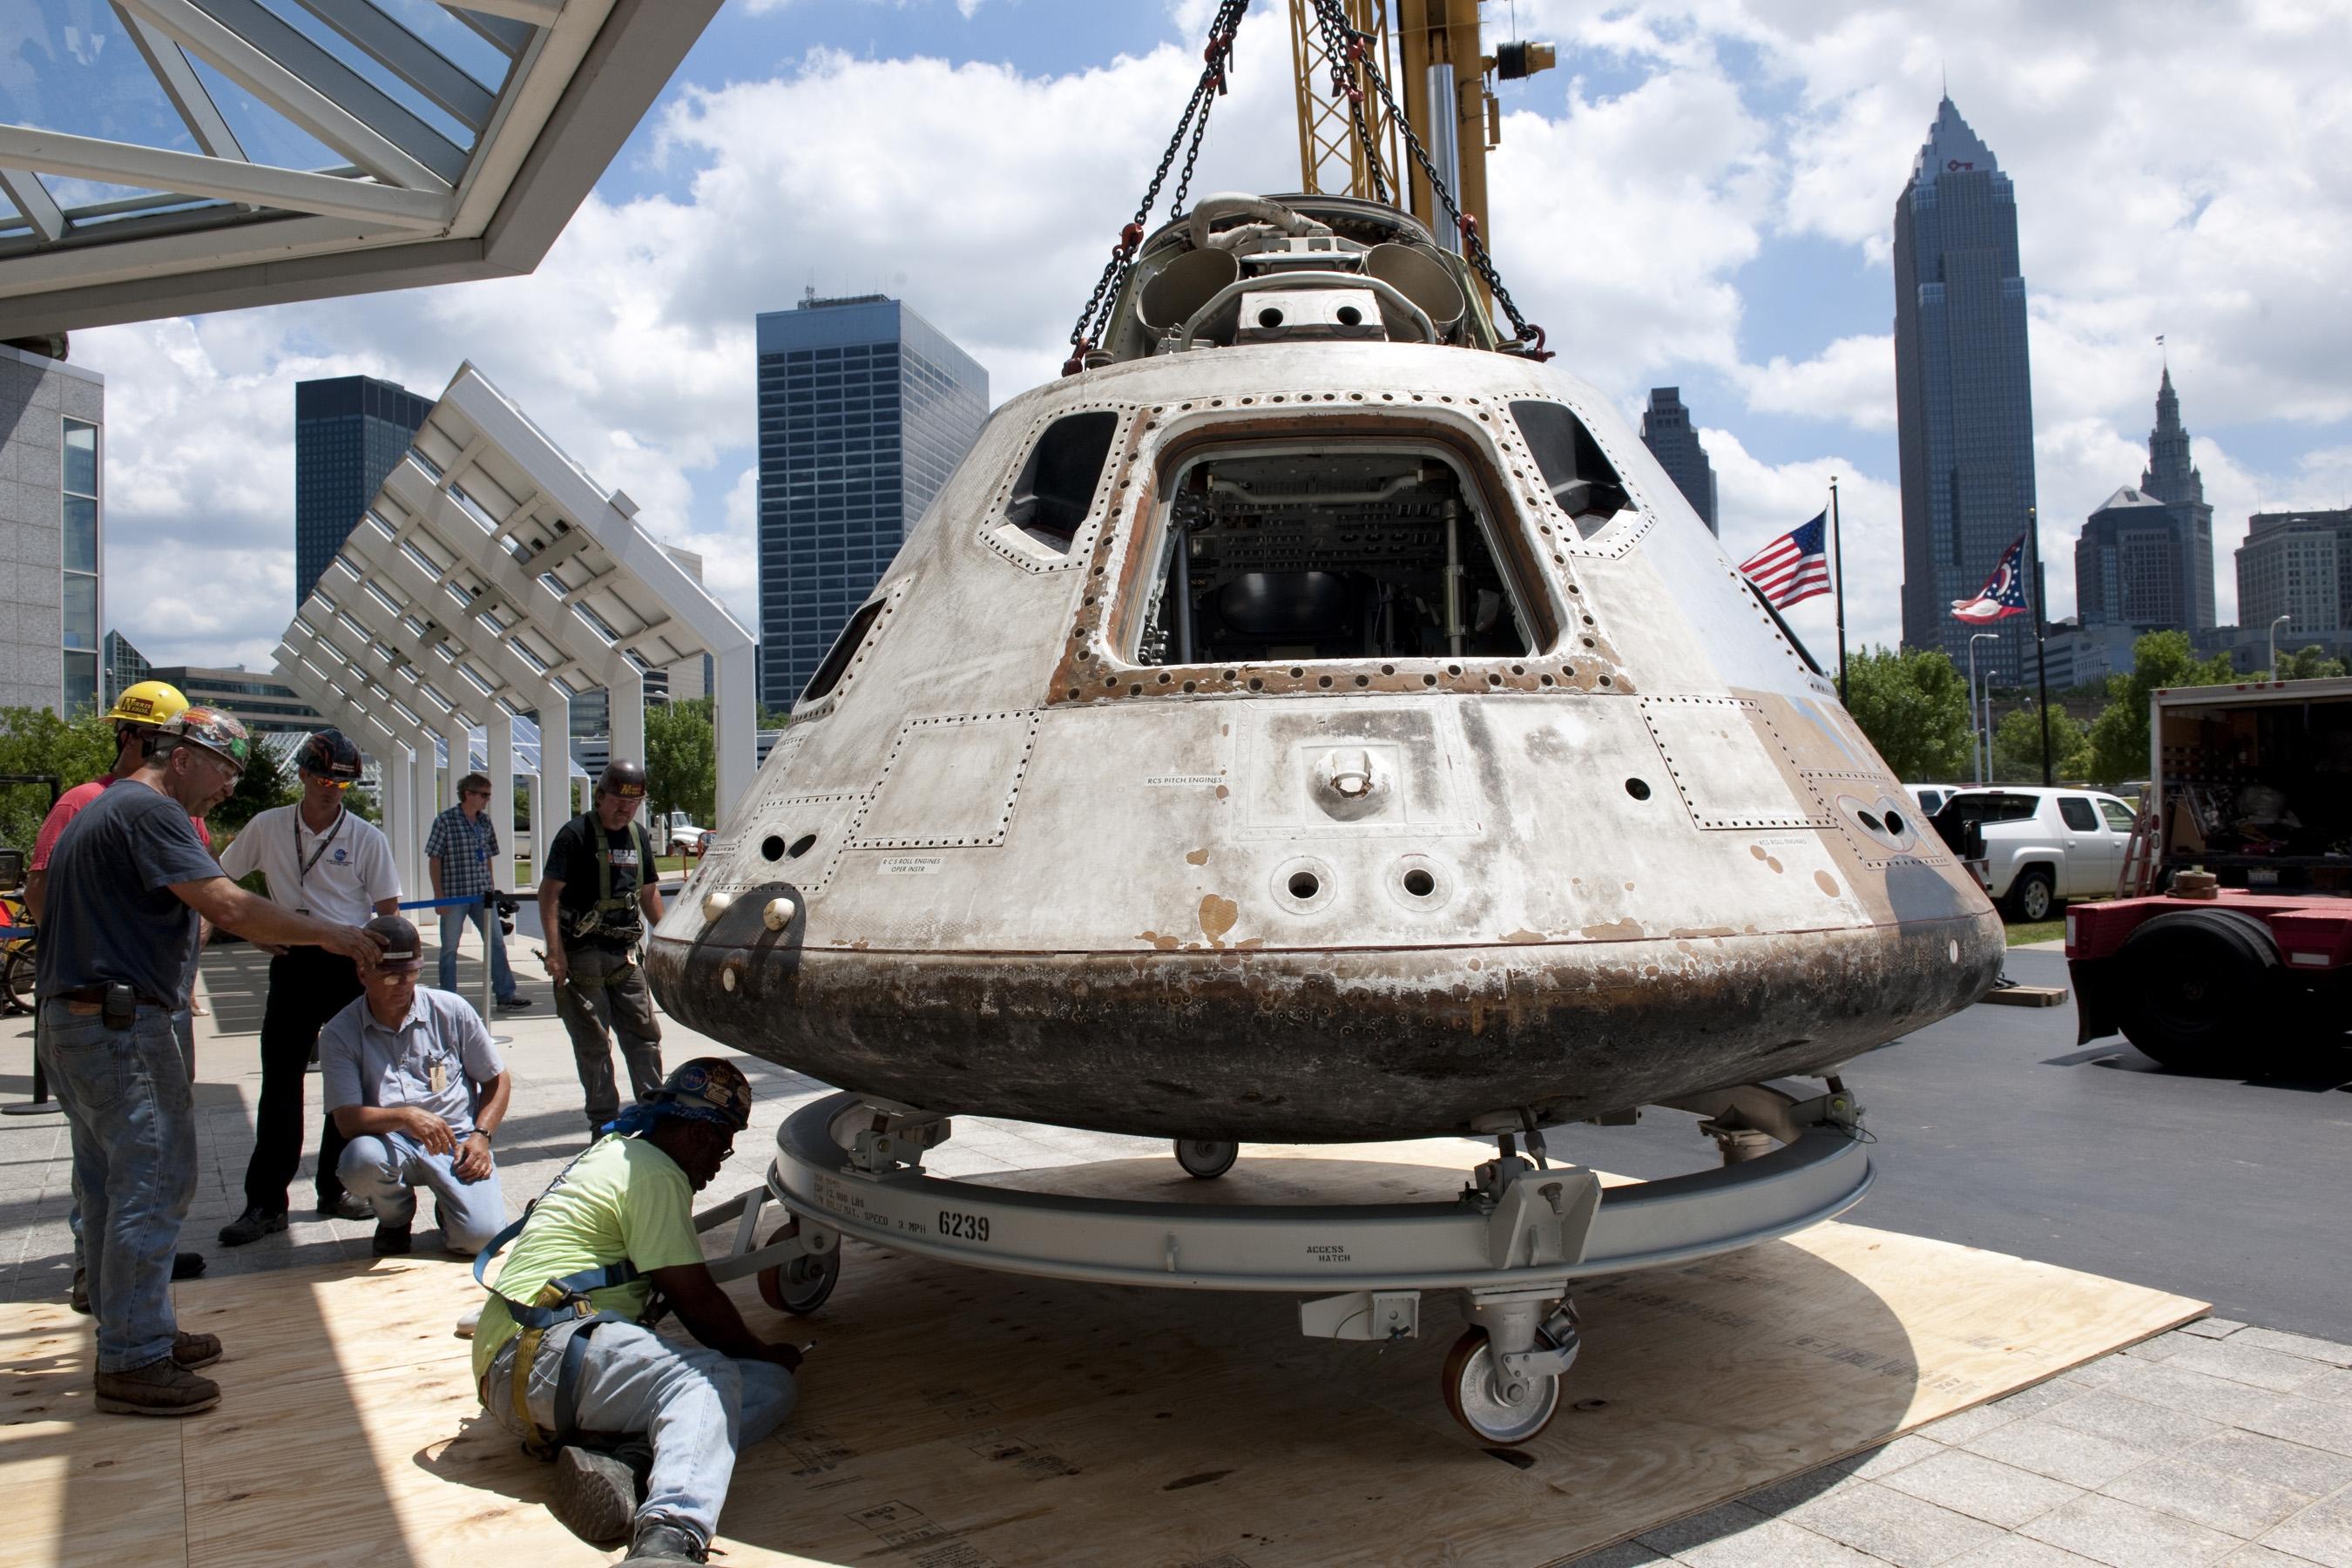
(347, 434)
(1963, 397)
(865, 409)
(1667, 432)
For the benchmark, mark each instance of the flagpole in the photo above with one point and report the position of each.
(2041, 650)
(1837, 551)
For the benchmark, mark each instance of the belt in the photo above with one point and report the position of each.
(96, 997)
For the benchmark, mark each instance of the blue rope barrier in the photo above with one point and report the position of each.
(470, 899)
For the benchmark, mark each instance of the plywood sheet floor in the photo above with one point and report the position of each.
(953, 1418)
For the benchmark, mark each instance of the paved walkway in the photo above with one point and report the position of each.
(2217, 1443)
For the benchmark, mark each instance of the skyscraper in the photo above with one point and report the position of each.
(2298, 565)
(52, 528)
(349, 432)
(1667, 431)
(1963, 396)
(2173, 479)
(865, 409)
(2146, 556)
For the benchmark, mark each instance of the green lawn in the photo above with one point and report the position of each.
(2036, 931)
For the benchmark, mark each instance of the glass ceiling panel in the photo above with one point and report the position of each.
(67, 65)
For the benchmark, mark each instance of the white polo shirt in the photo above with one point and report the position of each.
(338, 875)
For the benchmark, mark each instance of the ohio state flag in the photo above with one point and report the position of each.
(2003, 594)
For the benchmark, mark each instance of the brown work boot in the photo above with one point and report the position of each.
(194, 1352)
(161, 1387)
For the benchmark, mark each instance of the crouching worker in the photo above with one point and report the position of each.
(644, 1430)
(412, 1079)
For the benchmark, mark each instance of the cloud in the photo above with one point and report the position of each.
(1853, 380)
(2173, 177)
(988, 200)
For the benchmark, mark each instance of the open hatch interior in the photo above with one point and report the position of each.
(1356, 550)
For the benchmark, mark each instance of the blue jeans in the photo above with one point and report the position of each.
(494, 937)
(386, 1169)
(133, 1123)
(699, 1407)
(184, 1029)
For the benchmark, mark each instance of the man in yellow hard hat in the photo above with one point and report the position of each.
(138, 713)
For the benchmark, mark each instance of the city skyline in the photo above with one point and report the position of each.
(1685, 202)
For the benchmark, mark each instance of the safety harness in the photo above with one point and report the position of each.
(559, 1302)
(610, 917)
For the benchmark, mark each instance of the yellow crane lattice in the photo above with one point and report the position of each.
(1332, 160)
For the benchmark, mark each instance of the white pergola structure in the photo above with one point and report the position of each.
(493, 577)
(458, 142)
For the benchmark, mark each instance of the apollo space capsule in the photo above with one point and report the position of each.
(1316, 720)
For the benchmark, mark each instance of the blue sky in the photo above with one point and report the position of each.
(1700, 194)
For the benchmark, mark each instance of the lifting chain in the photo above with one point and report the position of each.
(1473, 245)
(1218, 56)
(1345, 49)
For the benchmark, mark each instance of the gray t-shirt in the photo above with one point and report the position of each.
(360, 1062)
(110, 915)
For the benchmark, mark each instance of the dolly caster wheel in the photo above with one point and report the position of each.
(799, 1286)
(1206, 1158)
(1488, 1400)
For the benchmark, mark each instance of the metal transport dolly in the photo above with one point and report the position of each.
(1510, 1245)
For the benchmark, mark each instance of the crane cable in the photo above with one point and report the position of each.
(1095, 317)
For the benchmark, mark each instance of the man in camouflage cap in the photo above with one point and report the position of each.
(128, 881)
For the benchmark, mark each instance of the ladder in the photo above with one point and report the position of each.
(2138, 874)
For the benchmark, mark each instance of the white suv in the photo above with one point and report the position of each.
(2037, 848)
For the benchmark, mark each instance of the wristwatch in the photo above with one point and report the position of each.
(488, 1136)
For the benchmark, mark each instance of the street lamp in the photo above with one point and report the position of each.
(2276, 624)
(1980, 718)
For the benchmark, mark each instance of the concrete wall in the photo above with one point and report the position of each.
(35, 394)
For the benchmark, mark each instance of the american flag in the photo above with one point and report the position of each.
(1794, 568)
(2003, 594)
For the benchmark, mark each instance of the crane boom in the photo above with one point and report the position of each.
(1331, 155)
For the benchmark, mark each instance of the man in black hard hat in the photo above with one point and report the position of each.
(596, 897)
(321, 860)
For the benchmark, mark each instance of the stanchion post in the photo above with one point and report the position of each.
(40, 1104)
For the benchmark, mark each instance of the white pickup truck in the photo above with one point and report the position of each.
(2038, 846)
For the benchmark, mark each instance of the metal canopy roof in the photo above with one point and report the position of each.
(183, 155)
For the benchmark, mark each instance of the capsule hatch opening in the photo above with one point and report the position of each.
(1354, 551)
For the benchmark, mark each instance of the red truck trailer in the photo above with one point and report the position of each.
(2228, 945)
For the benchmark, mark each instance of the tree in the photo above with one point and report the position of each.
(2017, 747)
(265, 782)
(35, 741)
(2118, 735)
(2310, 663)
(772, 718)
(1914, 706)
(681, 758)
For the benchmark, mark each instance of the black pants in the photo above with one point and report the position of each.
(307, 985)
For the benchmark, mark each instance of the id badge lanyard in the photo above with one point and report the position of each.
(302, 868)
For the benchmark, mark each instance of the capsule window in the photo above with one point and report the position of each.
(1056, 486)
(844, 648)
(1356, 550)
(1581, 480)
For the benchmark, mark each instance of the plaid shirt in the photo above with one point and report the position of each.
(465, 848)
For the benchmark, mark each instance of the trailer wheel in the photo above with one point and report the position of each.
(2195, 984)
(799, 1286)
